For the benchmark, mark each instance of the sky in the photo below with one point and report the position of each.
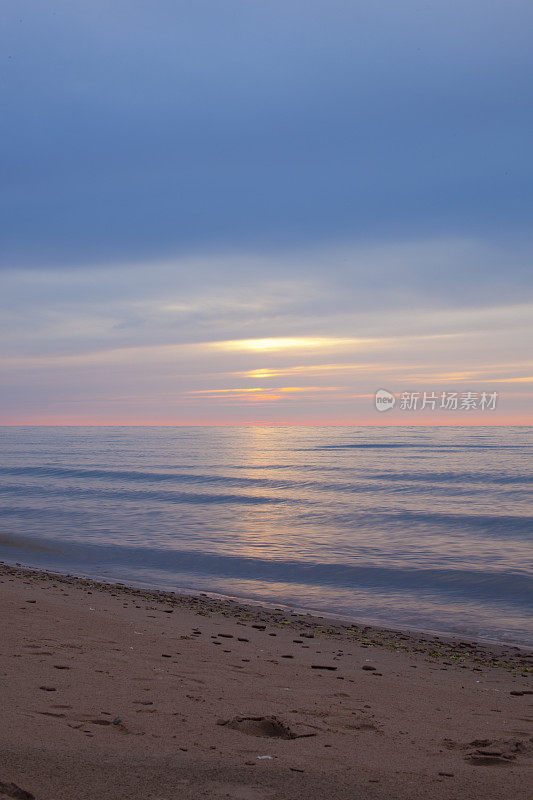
(248, 212)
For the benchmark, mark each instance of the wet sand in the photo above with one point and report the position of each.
(114, 692)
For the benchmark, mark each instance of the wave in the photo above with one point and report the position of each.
(137, 476)
(29, 544)
(202, 498)
(438, 448)
(480, 523)
(452, 477)
(506, 587)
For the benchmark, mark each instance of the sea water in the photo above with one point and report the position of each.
(418, 528)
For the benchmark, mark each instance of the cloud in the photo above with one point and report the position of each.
(300, 343)
(201, 196)
(336, 292)
(148, 131)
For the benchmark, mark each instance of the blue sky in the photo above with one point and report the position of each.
(181, 174)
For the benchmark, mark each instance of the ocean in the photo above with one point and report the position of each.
(419, 528)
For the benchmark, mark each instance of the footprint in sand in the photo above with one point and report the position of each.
(58, 714)
(492, 752)
(482, 758)
(362, 726)
(271, 727)
(237, 791)
(259, 726)
(14, 791)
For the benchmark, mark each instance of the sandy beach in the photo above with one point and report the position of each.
(115, 692)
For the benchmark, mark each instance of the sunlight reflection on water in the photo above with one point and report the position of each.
(417, 527)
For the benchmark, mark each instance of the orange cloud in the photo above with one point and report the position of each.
(258, 394)
(270, 389)
(275, 344)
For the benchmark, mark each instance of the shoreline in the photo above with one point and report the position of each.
(115, 691)
(313, 619)
(333, 618)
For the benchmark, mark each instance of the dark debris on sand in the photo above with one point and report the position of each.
(463, 654)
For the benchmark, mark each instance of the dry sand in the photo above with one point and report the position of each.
(113, 692)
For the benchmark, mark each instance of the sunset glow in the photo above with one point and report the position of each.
(197, 226)
(288, 343)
